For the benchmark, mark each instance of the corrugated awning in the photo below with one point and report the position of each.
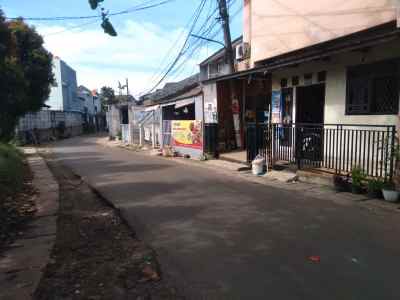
(183, 103)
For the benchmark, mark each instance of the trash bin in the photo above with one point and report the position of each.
(257, 165)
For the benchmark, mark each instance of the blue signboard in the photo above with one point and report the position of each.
(276, 107)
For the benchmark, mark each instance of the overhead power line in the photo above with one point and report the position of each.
(181, 52)
(139, 7)
(71, 28)
(161, 70)
(173, 67)
(188, 53)
(211, 34)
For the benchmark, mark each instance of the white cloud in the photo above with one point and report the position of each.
(100, 60)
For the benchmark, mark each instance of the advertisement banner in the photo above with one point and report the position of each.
(276, 107)
(187, 134)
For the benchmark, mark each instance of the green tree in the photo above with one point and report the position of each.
(25, 73)
(107, 96)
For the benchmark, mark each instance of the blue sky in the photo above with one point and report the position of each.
(139, 51)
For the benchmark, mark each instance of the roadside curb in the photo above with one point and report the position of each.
(22, 265)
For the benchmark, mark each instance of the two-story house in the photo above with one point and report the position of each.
(325, 75)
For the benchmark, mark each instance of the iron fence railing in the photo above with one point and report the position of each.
(337, 147)
(211, 139)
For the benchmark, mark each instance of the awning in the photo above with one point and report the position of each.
(151, 108)
(183, 103)
(257, 70)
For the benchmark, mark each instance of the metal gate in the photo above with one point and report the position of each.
(335, 147)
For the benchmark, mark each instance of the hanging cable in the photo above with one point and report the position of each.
(181, 52)
(140, 7)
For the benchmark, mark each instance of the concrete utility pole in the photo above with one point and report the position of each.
(223, 11)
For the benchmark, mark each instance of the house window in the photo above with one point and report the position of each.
(215, 68)
(373, 89)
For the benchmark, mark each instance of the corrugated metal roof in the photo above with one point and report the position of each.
(173, 89)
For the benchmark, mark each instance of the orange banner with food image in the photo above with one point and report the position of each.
(187, 134)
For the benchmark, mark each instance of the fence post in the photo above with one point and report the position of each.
(153, 135)
(141, 135)
(336, 141)
(393, 151)
(297, 132)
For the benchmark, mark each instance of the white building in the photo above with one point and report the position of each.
(63, 95)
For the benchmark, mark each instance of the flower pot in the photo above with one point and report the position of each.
(375, 194)
(390, 195)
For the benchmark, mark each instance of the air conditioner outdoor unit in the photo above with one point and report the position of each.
(242, 51)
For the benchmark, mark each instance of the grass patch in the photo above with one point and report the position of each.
(11, 170)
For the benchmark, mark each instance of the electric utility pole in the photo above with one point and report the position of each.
(223, 11)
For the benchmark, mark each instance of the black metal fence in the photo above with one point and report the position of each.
(211, 139)
(337, 147)
(257, 140)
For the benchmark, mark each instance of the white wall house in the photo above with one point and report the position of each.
(337, 83)
(329, 65)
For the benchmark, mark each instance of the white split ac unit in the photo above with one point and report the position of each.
(242, 51)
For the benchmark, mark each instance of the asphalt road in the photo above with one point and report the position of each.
(220, 237)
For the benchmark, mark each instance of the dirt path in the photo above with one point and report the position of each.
(16, 211)
(96, 256)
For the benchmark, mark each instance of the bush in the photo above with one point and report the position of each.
(11, 170)
(357, 178)
(375, 188)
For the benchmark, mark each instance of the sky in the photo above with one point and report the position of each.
(147, 40)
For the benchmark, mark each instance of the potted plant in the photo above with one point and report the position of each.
(341, 183)
(389, 192)
(357, 178)
(374, 188)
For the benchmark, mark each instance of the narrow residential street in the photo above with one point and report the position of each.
(220, 237)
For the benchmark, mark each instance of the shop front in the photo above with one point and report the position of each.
(182, 123)
(235, 104)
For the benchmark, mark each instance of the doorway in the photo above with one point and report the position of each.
(310, 104)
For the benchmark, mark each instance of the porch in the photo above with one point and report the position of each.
(331, 148)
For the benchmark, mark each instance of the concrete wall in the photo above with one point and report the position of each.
(45, 123)
(210, 103)
(114, 120)
(276, 27)
(335, 92)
